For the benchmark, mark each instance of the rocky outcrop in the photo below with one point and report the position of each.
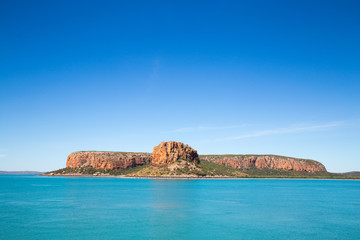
(266, 161)
(167, 152)
(107, 160)
(170, 152)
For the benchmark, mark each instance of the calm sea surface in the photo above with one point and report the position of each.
(33, 207)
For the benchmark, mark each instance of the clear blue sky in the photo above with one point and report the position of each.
(277, 77)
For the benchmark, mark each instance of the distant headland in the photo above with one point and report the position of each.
(178, 160)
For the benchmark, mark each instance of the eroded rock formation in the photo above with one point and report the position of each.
(266, 161)
(107, 160)
(167, 152)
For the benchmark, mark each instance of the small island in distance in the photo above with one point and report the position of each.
(178, 160)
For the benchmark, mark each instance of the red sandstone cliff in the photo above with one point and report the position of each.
(265, 161)
(167, 152)
(107, 160)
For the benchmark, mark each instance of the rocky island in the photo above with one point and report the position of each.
(178, 160)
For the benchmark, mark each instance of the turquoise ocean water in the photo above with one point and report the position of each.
(33, 207)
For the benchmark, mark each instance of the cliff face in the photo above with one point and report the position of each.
(107, 160)
(167, 152)
(265, 161)
(170, 152)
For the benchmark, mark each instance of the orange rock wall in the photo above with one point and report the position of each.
(167, 152)
(107, 160)
(266, 161)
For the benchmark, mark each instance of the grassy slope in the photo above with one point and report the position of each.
(202, 169)
(91, 171)
(207, 169)
(278, 173)
(213, 169)
(351, 174)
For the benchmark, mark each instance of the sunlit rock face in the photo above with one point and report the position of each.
(167, 152)
(107, 160)
(266, 161)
